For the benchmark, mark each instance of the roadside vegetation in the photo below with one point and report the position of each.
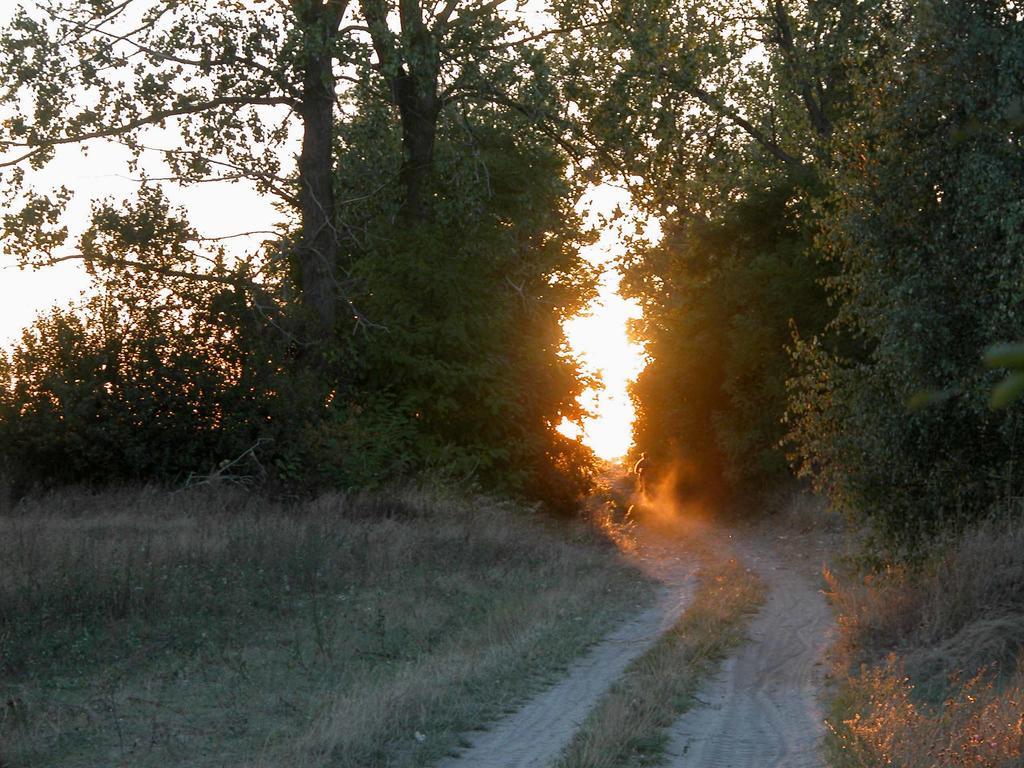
(930, 660)
(628, 726)
(219, 628)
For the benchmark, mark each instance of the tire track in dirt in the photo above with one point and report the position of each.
(535, 735)
(763, 708)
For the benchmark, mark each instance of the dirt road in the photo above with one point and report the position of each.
(763, 708)
(534, 736)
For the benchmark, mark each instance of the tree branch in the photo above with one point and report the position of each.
(732, 115)
(153, 118)
(205, 277)
(787, 45)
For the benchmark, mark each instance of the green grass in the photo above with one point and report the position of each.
(628, 727)
(148, 629)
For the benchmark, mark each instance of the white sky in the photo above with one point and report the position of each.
(213, 209)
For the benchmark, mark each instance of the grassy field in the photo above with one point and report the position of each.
(211, 628)
(930, 662)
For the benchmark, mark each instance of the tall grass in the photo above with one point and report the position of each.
(932, 661)
(215, 628)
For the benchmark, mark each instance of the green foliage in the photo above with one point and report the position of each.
(927, 238)
(1009, 390)
(139, 383)
(717, 323)
(471, 302)
(723, 112)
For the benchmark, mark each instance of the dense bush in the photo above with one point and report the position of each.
(135, 383)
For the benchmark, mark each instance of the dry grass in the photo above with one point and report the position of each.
(208, 628)
(930, 661)
(628, 727)
(980, 725)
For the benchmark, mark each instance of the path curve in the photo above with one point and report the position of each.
(535, 735)
(763, 708)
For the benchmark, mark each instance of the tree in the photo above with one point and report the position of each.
(722, 114)
(703, 100)
(235, 81)
(719, 306)
(449, 56)
(924, 225)
(474, 286)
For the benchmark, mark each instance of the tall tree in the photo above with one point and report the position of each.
(235, 82)
(436, 56)
(924, 225)
(475, 264)
(721, 115)
(701, 99)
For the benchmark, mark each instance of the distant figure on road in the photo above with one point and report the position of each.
(639, 469)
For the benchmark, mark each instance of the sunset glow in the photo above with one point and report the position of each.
(600, 337)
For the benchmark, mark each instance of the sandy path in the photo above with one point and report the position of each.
(534, 735)
(763, 707)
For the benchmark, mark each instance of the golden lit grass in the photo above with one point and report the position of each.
(931, 663)
(148, 629)
(628, 727)
(878, 721)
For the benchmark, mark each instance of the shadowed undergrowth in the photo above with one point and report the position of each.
(206, 628)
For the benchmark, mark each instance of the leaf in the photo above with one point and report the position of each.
(1007, 391)
(926, 398)
(1005, 355)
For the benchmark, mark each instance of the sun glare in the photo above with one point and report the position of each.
(599, 336)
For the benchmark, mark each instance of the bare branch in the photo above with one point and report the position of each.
(441, 19)
(202, 277)
(541, 35)
(787, 45)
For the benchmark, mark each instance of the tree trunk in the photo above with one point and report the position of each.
(319, 247)
(418, 113)
(411, 64)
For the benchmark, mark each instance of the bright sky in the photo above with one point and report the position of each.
(24, 293)
(599, 336)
